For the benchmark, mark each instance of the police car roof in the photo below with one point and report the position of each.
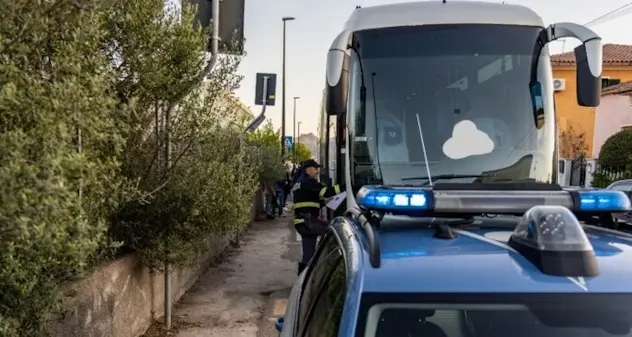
(479, 260)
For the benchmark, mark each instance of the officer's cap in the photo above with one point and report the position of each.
(310, 163)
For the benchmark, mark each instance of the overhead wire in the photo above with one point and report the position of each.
(614, 14)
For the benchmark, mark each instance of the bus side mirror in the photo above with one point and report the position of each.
(588, 57)
(338, 62)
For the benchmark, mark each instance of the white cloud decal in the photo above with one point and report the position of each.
(467, 140)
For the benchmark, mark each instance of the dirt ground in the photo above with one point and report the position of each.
(241, 296)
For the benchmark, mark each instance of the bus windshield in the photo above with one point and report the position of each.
(451, 100)
(496, 315)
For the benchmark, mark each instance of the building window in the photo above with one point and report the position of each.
(608, 82)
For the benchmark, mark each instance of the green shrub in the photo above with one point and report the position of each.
(601, 180)
(616, 151)
(82, 168)
(61, 135)
(266, 150)
(209, 192)
(178, 209)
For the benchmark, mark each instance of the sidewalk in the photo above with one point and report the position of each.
(241, 296)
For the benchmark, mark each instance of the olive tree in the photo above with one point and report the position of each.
(61, 134)
(206, 187)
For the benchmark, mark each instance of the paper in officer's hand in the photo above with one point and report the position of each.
(336, 200)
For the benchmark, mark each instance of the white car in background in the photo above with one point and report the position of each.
(624, 186)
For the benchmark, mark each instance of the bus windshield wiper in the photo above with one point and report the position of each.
(447, 176)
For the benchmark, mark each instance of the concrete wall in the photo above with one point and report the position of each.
(614, 113)
(122, 298)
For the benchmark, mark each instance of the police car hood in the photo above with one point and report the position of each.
(479, 260)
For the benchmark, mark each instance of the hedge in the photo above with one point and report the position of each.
(615, 159)
(616, 151)
(84, 87)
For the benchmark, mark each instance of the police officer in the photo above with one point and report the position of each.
(309, 194)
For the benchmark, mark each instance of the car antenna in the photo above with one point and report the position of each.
(423, 148)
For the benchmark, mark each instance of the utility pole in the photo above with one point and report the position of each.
(167, 272)
(285, 20)
(298, 135)
(294, 129)
(167, 150)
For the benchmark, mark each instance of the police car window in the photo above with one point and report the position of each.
(322, 265)
(494, 320)
(324, 320)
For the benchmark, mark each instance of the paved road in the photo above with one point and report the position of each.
(242, 296)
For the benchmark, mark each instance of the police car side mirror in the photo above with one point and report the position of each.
(338, 63)
(278, 324)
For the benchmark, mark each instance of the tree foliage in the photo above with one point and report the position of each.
(615, 159)
(302, 153)
(207, 187)
(616, 151)
(61, 133)
(266, 148)
(572, 143)
(85, 88)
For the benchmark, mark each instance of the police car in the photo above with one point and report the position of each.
(398, 266)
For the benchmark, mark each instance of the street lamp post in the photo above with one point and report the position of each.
(285, 20)
(294, 128)
(298, 134)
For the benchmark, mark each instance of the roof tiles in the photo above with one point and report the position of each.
(613, 55)
(624, 88)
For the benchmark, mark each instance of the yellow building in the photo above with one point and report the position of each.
(617, 68)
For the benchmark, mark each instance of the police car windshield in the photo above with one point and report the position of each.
(468, 88)
(497, 315)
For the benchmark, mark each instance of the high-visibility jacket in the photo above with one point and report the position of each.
(309, 193)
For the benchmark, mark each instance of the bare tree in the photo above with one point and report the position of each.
(572, 143)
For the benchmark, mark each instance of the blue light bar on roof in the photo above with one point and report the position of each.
(390, 199)
(604, 201)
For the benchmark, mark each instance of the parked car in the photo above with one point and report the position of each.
(624, 186)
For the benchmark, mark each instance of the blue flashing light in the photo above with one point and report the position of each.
(402, 255)
(393, 199)
(604, 201)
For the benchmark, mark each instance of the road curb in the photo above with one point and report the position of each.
(274, 307)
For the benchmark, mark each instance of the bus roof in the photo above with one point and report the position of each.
(437, 13)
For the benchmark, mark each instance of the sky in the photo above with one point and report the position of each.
(319, 22)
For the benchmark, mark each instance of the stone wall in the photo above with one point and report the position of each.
(122, 298)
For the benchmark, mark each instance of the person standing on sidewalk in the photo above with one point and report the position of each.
(271, 200)
(308, 196)
(298, 172)
(280, 195)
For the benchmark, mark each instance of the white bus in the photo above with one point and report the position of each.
(458, 91)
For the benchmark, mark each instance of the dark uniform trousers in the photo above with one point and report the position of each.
(308, 197)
